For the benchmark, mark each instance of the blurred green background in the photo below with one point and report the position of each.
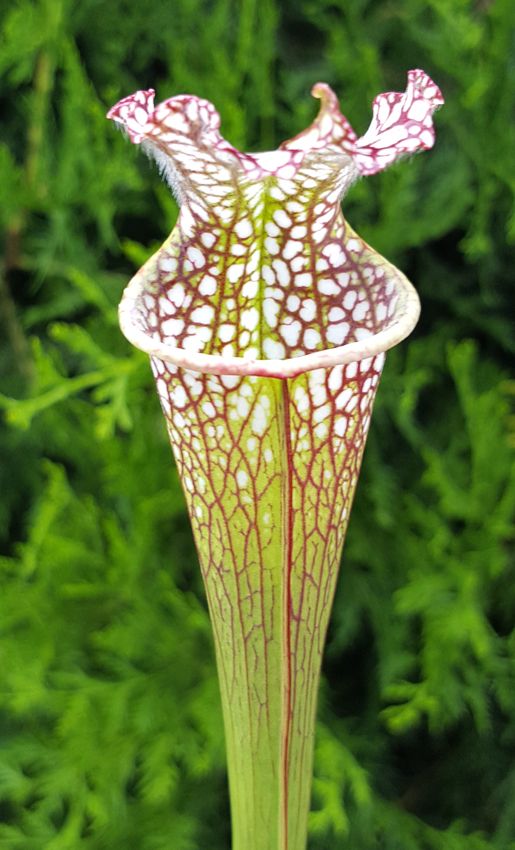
(110, 727)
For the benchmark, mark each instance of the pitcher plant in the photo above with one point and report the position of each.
(267, 319)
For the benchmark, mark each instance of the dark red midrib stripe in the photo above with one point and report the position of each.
(286, 612)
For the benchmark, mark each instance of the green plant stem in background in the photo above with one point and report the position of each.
(35, 138)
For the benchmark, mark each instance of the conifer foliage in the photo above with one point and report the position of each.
(110, 727)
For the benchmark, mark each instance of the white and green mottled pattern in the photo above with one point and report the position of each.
(267, 318)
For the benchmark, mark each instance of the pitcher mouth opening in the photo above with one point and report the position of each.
(399, 315)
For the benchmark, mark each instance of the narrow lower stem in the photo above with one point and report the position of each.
(269, 477)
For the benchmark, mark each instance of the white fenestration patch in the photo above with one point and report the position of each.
(381, 312)
(276, 193)
(203, 315)
(317, 387)
(340, 426)
(311, 338)
(168, 264)
(250, 288)
(243, 228)
(336, 314)
(270, 311)
(208, 409)
(176, 294)
(282, 271)
(178, 397)
(335, 379)
(234, 272)
(242, 407)
(260, 416)
(292, 248)
(226, 332)
(282, 219)
(208, 239)
(350, 299)
(268, 275)
(305, 279)
(308, 311)
(172, 327)
(273, 349)
(244, 339)
(301, 400)
(230, 381)
(334, 253)
(196, 257)
(207, 285)
(322, 413)
(337, 334)
(271, 245)
(362, 333)
(344, 398)
(328, 287)
(250, 318)
(295, 208)
(360, 311)
(290, 332)
(253, 262)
